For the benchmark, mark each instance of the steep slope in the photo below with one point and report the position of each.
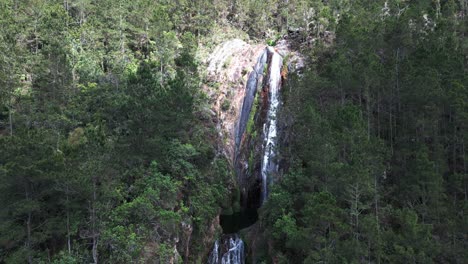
(251, 125)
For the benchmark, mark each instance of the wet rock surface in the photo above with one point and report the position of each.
(228, 69)
(244, 86)
(232, 69)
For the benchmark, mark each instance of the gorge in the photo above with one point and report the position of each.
(263, 85)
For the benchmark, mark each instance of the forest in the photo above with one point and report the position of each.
(111, 149)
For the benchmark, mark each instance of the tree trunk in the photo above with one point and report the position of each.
(464, 170)
(28, 228)
(391, 132)
(10, 118)
(161, 78)
(28, 242)
(343, 94)
(360, 103)
(93, 223)
(376, 200)
(454, 147)
(368, 112)
(10, 106)
(68, 224)
(397, 84)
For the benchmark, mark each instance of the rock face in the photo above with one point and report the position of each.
(295, 60)
(253, 84)
(228, 68)
(234, 73)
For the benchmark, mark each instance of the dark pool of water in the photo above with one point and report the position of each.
(234, 222)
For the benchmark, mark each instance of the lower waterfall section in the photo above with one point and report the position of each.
(229, 251)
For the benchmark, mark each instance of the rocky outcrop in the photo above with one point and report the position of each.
(235, 73)
(213, 231)
(231, 69)
(243, 85)
(228, 68)
(257, 134)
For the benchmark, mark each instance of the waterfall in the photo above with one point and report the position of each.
(214, 256)
(230, 248)
(235, 254)
(270, 78)
(230, 252)
(269, 164)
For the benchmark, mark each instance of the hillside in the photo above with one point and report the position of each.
(243, 131)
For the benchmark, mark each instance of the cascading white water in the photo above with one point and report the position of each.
(214, 256)
(233, 249)
(235, 254)
(230, 250)
(269, 164)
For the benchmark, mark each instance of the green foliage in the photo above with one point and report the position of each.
(226, 105)
(104, 157)
(251, 122)
(375, 143)
(272, 42)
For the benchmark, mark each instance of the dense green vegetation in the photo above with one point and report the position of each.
(376, 132)
(109, 155)
(104, 153)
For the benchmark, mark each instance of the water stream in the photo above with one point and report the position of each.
(269, 164)
(233, 248)
(229, 249)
